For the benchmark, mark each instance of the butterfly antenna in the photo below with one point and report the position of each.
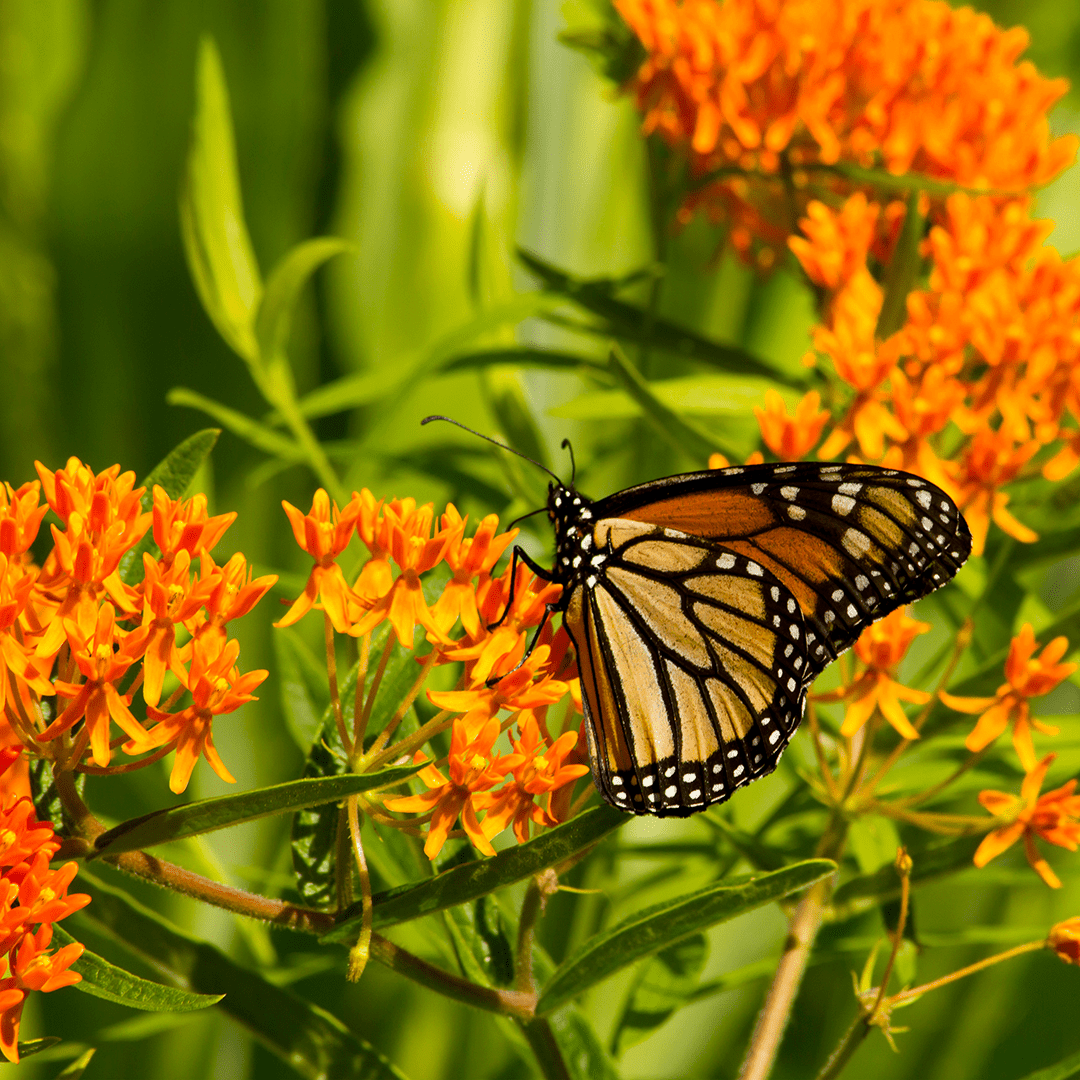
(494, 442)
(573, 464)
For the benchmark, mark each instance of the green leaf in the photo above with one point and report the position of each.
(303, 685)
(461, 884)
(240, 424)
(36, 1046)
(582, 1052)
(683, 434)
(283, 288)
(78, 1066)
(524, 357)
(635, 325)
(902, 272)
(216, 240)
(208, 815)
(869, 890)
(653, 928)
(711, 394)
(1063, 1070)
(47, 803)
(307, 1038)
(663, 984)
(104, 980)
(174, 473)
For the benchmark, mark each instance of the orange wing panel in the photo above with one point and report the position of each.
(714, 515)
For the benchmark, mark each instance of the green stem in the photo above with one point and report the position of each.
(851, 1042)
(548, 1055)
(805, 924)
(507, 1002)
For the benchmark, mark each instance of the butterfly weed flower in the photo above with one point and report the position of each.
(468, 558)
(1053, 817)
(404, 533)
(537, 769)
(186, 525)
(217, 688)
(324, 533)
(231, 592)
(473, 770)
(1064, 939)
(881, 647)
(1027, 676)
(791, 437)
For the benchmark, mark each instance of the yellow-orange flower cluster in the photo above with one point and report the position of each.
(752, 90)
(502, 684)
(89, 632)
(32, 898)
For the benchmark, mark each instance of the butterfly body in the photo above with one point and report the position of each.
(703, 606)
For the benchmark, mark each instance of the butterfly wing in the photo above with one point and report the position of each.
(693, 663)
(850, 542)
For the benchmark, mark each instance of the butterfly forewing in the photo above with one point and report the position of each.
(703, 606)
(691, 659)
(851, 542)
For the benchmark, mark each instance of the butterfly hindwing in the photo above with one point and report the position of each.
(692, 660)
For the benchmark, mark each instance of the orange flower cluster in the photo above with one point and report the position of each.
(32, 898)
(80, 630)
(982, 375)
(758, 93)
(503, 684)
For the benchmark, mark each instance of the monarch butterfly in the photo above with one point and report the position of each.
(703, 606)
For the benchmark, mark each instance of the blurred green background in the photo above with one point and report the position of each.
(436, 136)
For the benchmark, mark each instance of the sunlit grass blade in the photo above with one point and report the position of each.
(307, 1038)
(655, 927)
(78, 1066)
(104, 980)
(550, 359)
(461, 884)
(208, 815)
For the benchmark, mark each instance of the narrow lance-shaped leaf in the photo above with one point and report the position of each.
(207, 815)
(902, 271)
(104, 980)
(1065, 1069)
(633, 324)
(680, 432)
(216, 240)
(174, 473)
(283, 289)
(240, 424)
(464, 883)
(655, 927)
(307, 1038)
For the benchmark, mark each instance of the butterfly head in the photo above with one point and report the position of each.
(572, 517)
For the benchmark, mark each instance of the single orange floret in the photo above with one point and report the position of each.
(1028, 676)
(184, 525)
(538, 769)
(217, 688)
(881, 647)
(473, 769)
(790, 438)
(1055, 817)
(1064, 939)
(324, 533)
